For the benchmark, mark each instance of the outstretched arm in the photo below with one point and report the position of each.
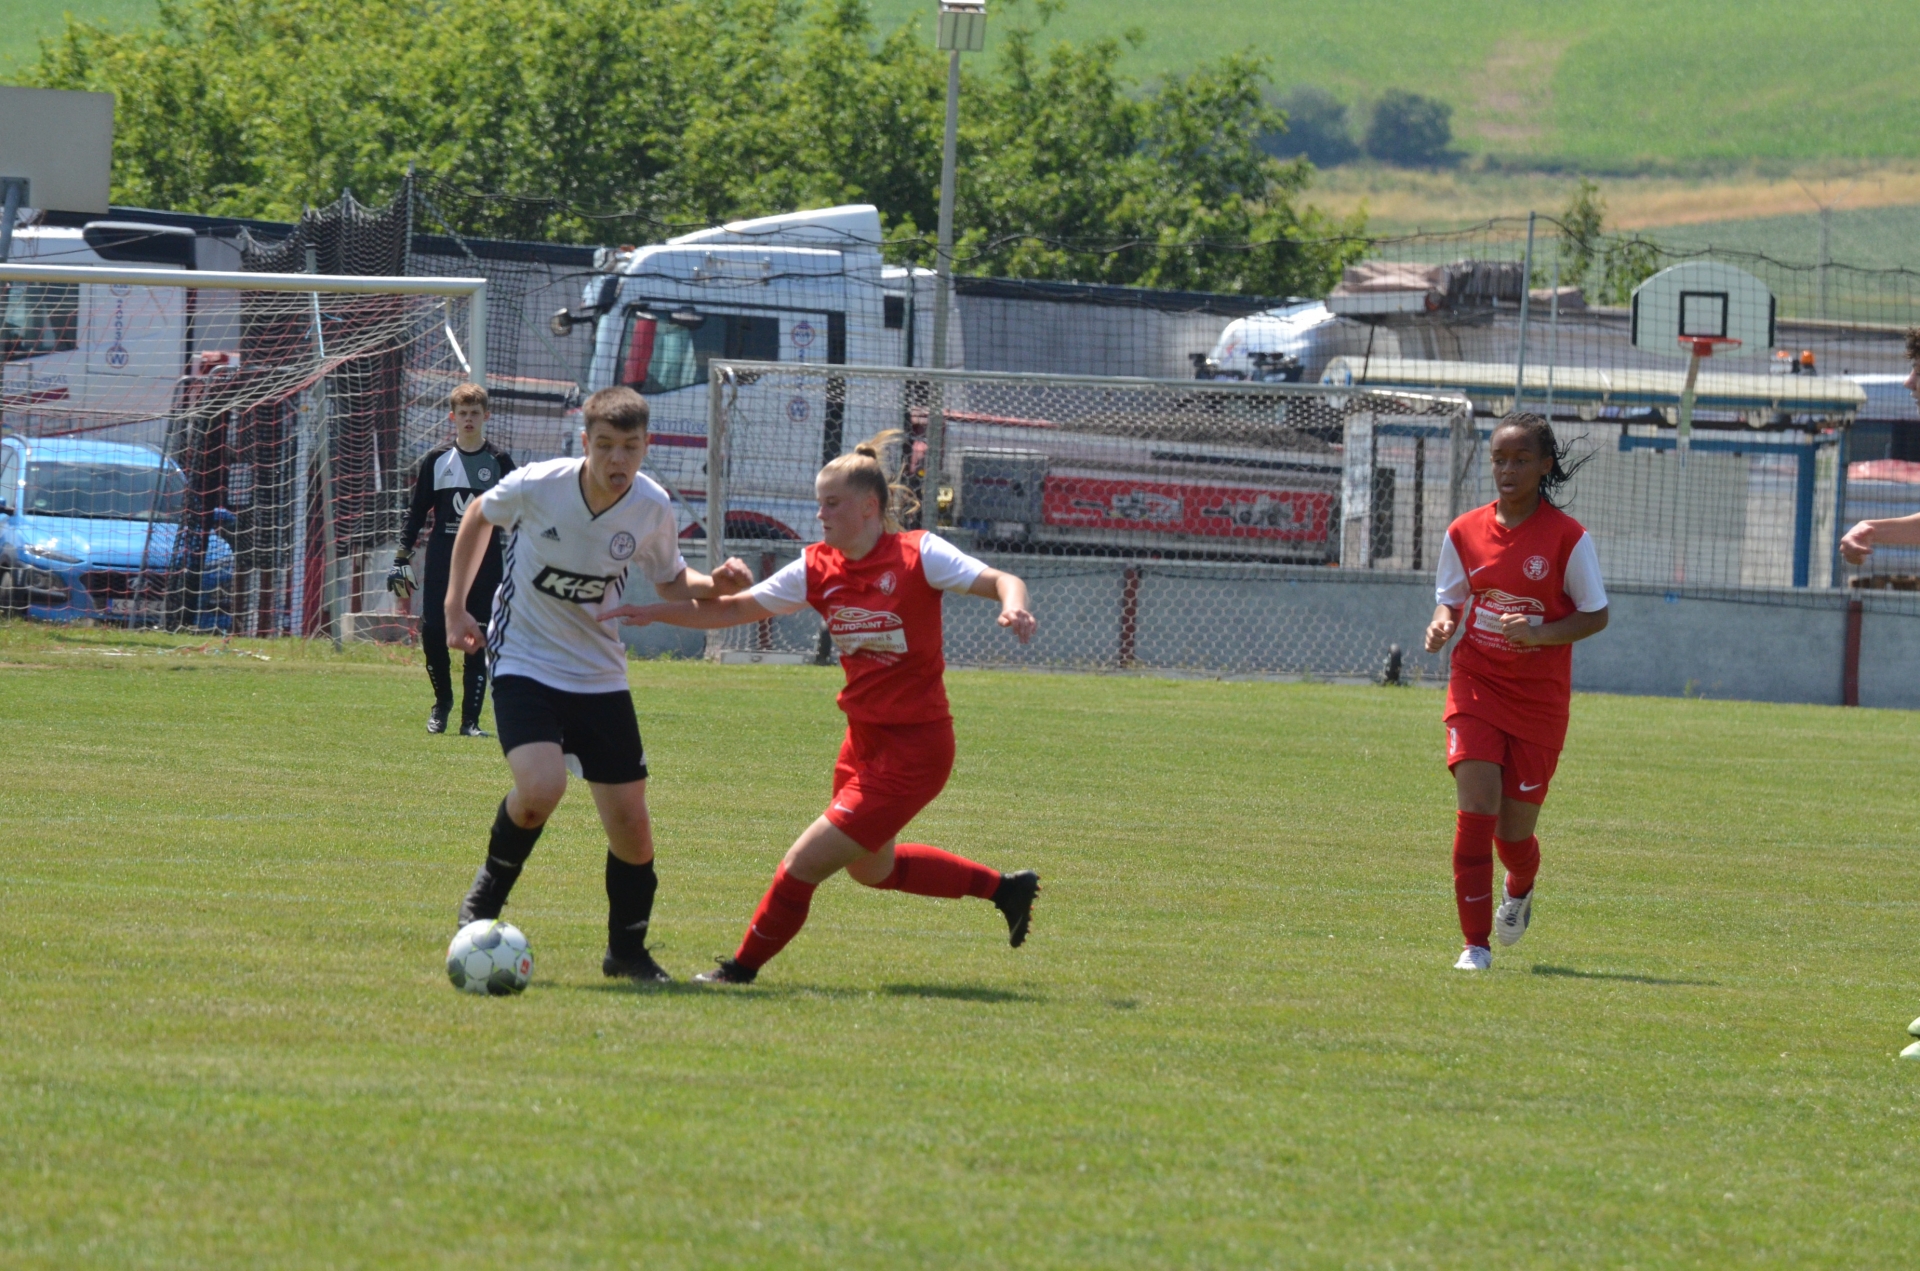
(732, 576)
(699, 615)
(1892, 531)
(1011, 591)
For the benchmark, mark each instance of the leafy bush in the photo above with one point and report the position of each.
(1408, 129)
(1317, 127)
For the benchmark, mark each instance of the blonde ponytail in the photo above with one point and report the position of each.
(872, 467)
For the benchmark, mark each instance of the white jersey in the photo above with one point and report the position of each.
(564, 567)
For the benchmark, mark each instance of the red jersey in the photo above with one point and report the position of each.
(1546, 568)
(884, 617)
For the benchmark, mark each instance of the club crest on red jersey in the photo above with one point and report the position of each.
(887, 583)
(1536, 567)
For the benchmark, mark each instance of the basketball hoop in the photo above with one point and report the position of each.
(1704, 345)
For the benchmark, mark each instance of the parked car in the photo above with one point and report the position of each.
(88, 529)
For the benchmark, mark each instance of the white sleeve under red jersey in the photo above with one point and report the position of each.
(1543, 569)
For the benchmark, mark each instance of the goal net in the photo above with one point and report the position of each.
(1189, 526)
(223, 452)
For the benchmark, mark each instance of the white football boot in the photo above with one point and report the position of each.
(1914, 1028)
(1911, 1052)
(1511, 919)
(1475, 958)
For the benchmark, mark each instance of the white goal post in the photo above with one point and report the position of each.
(219, 450)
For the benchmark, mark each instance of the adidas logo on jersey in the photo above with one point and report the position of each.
(581, 589)
(551, 534)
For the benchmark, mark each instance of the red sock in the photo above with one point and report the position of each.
(782, 912)
(928, 871)
(1473, 875)
(1522, 861)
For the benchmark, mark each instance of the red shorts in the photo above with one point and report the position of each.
(886, 773)
(1526, 768)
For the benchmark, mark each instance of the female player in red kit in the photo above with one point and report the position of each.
(1522, 579)
(879, 589)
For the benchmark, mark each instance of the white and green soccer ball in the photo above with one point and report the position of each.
(489, 956)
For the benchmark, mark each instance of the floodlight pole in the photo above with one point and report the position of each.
(1526, 294)
(16, 188)
(962, 28)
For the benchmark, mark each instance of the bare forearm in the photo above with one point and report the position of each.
(1012, 591)
(706, 615)
(1575, 626)
(1896, 531)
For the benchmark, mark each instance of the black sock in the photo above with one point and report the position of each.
(439, 671)
(507, 850)
(630, 891)
(475, 697)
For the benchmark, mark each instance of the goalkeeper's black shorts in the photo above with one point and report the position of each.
(598, 729)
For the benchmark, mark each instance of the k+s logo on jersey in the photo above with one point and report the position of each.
(581, 589)
(1536, 567)
(622, 545)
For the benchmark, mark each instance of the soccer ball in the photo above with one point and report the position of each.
(489, 956)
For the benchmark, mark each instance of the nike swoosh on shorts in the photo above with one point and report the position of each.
(1524, 787)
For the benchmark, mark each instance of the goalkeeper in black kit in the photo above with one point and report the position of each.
(450, 478)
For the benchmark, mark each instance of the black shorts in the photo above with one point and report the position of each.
(597, 728)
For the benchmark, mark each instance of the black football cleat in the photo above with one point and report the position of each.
(471, 729)
(437, 719)
(485, 899)
(1014, 898)
(727, 971)
(641, 970)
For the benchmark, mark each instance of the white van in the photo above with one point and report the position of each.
(807, 287)
(109, 350)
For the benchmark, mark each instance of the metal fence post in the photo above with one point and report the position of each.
(717, 466)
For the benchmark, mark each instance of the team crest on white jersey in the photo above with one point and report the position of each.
(1536, 567)
(622, 545)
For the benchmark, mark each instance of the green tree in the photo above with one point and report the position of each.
(1408, 129)
(686, 112)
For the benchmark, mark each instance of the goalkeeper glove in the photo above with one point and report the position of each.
(400, 577)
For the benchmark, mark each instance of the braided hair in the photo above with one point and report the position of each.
(1540, 433)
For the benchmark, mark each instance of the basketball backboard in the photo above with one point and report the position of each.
(61, 144)
(1703, 300)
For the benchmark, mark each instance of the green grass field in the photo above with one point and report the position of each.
(1233, 1041)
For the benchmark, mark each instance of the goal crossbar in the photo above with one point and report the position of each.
(473, 290)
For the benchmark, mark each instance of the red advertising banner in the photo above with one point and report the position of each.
(1209, 510)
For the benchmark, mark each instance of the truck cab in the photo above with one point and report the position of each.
(804, 287)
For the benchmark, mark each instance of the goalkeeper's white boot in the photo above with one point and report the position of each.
(1511, 919)
(1474, 958)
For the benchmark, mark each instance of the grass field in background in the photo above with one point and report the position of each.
(1599, 86)
(1233, 1040)
(1606, 86)
(27, 22)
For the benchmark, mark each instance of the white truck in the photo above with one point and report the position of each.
(806, 287)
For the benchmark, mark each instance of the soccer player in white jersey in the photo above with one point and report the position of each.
(577, 529)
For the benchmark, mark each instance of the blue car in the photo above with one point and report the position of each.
(88, 530)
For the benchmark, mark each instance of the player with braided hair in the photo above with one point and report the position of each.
(1521, 578)
(879, 588)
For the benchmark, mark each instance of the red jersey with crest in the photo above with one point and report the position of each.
(1546, 568)
(883, 613)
